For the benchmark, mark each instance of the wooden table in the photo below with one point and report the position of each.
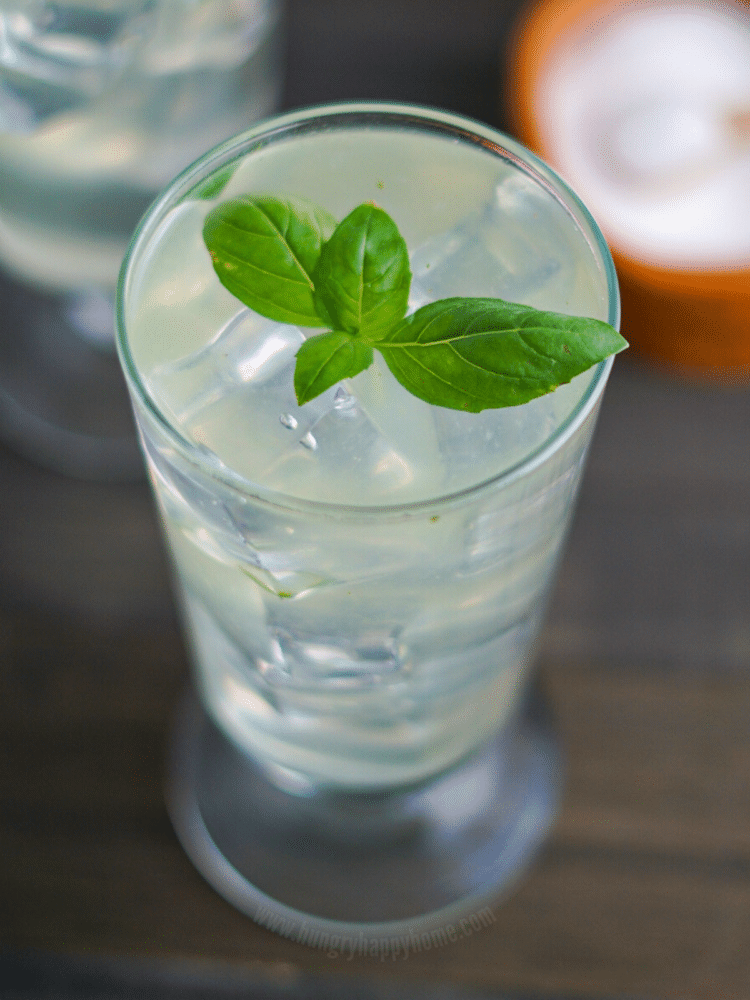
(644, 886)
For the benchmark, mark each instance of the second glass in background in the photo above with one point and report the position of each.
(101, 104)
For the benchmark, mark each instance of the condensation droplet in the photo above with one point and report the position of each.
(287, 420)
(308, 441)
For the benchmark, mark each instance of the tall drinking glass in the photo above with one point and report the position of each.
(363, 578)
(102, 102)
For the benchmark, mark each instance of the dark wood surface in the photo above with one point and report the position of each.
(644, 887)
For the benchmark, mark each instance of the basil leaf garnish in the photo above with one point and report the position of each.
(212, 186)
(287, 259)
(362, 277)
(265, 249)
(477, 354)
(326, 359)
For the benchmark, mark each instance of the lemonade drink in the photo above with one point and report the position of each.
(363, 578)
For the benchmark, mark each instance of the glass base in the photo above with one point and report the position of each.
(305, 861)
(63, 401)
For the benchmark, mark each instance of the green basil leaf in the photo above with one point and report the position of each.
(287, 259)
(326, 359)
(474, 354)
(212, 186)
(265, 249)
(362, 278)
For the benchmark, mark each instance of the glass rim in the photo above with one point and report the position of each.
(342, 115)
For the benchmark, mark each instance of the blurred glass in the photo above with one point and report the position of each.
(101, 103)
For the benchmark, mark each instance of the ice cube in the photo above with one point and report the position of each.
(235, 397)
(249, 349)
(365, 441)
(404, 421)
(497, 252)
(477, 446)
(335, 660)
(376, 443)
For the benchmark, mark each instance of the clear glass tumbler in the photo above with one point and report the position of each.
(102, 103)
(363, 578)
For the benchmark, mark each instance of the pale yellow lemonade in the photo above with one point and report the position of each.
(362, 610)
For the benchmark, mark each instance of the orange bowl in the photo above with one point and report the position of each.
(691, 320)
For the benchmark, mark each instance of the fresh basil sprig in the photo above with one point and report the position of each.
(287, 259)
